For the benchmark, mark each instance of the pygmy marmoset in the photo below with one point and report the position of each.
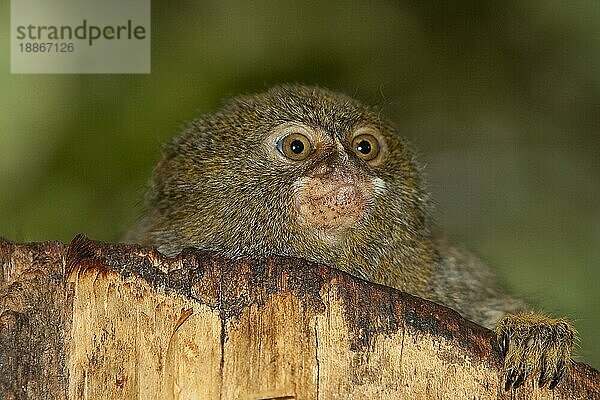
(304, 172)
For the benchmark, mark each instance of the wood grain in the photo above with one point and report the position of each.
(101, 321)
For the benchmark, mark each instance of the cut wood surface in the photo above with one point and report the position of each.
(100, 321)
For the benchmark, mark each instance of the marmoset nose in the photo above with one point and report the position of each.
(337, 166)
(323, 170)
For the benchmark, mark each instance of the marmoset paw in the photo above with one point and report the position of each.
(535, 346)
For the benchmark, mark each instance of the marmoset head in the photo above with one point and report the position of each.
(296, 171)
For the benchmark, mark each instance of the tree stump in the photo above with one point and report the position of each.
(101, 321)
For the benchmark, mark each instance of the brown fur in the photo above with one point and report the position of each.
(222, 186)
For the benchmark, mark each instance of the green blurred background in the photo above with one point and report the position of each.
(501, 97)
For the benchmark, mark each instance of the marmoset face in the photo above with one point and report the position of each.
(335, 191)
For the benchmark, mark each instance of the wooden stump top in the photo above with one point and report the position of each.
(111, 321)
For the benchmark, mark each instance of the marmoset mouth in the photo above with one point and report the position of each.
(329, 204)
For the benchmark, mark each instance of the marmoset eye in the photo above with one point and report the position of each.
(295, 146)
(366, 146)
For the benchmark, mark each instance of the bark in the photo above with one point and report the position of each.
(100, 321)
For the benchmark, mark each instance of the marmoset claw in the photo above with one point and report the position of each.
(534, 345)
